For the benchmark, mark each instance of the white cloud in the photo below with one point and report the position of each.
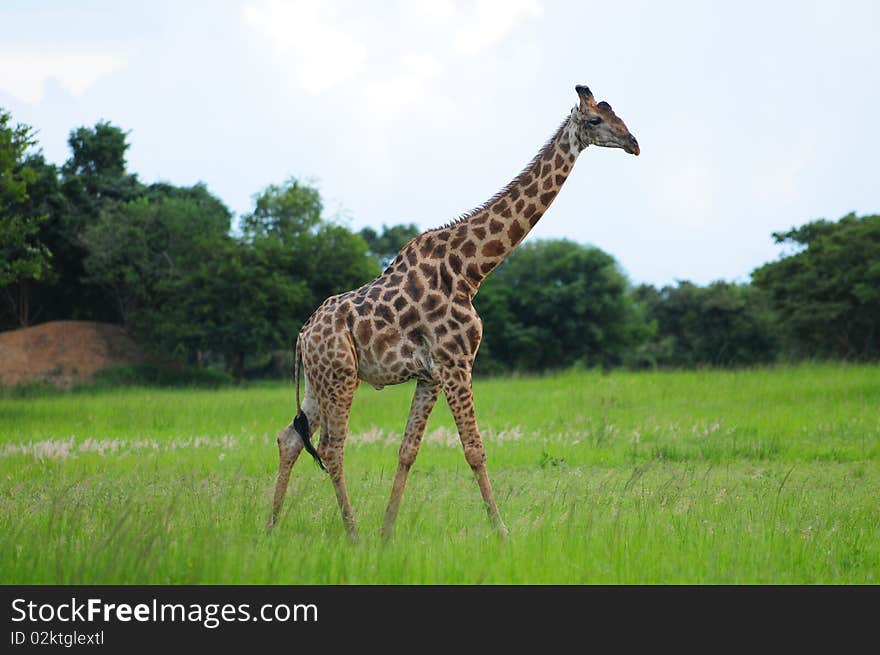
(432, 11)
(408, 89)
(318, 40)
(306, 36)
(24, 73)
(490, 21)
(405, 99)
(404, 66)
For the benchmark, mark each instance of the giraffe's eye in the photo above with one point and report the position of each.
(595, 121)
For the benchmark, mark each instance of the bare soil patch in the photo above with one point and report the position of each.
(64, 352)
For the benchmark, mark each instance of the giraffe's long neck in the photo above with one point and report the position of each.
(489, 234)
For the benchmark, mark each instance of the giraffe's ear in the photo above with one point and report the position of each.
(585, 95)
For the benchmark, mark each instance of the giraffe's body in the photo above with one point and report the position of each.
(417, 321)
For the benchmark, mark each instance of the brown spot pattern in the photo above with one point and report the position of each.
(515, 232)
(455, 263)
(409, 317)
(432, 302)
(493, 248)
(445, 286)
(473, 335)
(384, 312)
(413, 286)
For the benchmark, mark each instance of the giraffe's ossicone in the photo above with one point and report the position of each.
(416, 320)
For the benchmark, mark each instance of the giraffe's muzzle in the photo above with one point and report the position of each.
(633, 146)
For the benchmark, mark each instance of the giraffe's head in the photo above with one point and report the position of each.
(597, 124)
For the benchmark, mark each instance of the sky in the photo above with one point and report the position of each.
(752, 117)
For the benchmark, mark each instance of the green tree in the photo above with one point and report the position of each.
(384, 246)
(286, 212)
(96, 169)
(327, 256)
(242, 298)
(555, 303)
(722, 324)
(36, 300)
(236, 301)
(198, 194)
(135, 247)
(23, 257)
(828, 293)
(72, 197)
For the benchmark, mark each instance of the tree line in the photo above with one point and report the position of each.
(88, 240)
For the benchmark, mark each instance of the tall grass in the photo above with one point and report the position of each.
(768, 475)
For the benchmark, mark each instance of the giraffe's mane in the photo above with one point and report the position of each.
(507, 187)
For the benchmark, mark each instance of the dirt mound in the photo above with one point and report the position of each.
(64, 352)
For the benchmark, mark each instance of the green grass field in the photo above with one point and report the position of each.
(762, 476)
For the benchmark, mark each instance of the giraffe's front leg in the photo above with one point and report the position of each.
(456, 382)
(423, 402)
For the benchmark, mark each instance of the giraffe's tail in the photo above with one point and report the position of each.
(301, 421)
(297, 371)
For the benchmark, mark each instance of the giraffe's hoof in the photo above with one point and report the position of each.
(503, 532)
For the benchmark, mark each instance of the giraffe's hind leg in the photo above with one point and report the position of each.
(422, 403)
(290, 445)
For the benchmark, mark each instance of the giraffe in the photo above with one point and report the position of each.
(416, 321)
